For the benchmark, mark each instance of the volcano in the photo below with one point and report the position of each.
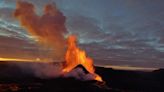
(75, 57)
(80, 73)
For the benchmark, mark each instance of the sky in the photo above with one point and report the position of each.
(126, 33)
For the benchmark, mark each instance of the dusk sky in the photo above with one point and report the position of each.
(113, 32)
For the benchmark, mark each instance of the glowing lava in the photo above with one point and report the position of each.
(75, 56)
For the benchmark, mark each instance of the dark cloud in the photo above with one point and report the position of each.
(86, 28)
(10, 45)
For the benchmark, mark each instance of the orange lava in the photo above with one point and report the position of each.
(75, 56)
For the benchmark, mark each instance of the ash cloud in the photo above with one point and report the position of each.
(49, 28)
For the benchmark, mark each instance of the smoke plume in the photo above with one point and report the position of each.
(48, 29)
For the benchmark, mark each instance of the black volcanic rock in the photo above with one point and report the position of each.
(71, 85)
(53, 85)
(137, 81)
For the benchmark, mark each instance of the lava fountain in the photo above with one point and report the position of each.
(75, 56)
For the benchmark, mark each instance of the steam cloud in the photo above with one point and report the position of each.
(49, 28)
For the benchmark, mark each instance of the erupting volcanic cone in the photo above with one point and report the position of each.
(75, 57)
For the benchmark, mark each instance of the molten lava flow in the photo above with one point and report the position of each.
(75, 56)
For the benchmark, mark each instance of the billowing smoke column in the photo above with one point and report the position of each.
(48, 28)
